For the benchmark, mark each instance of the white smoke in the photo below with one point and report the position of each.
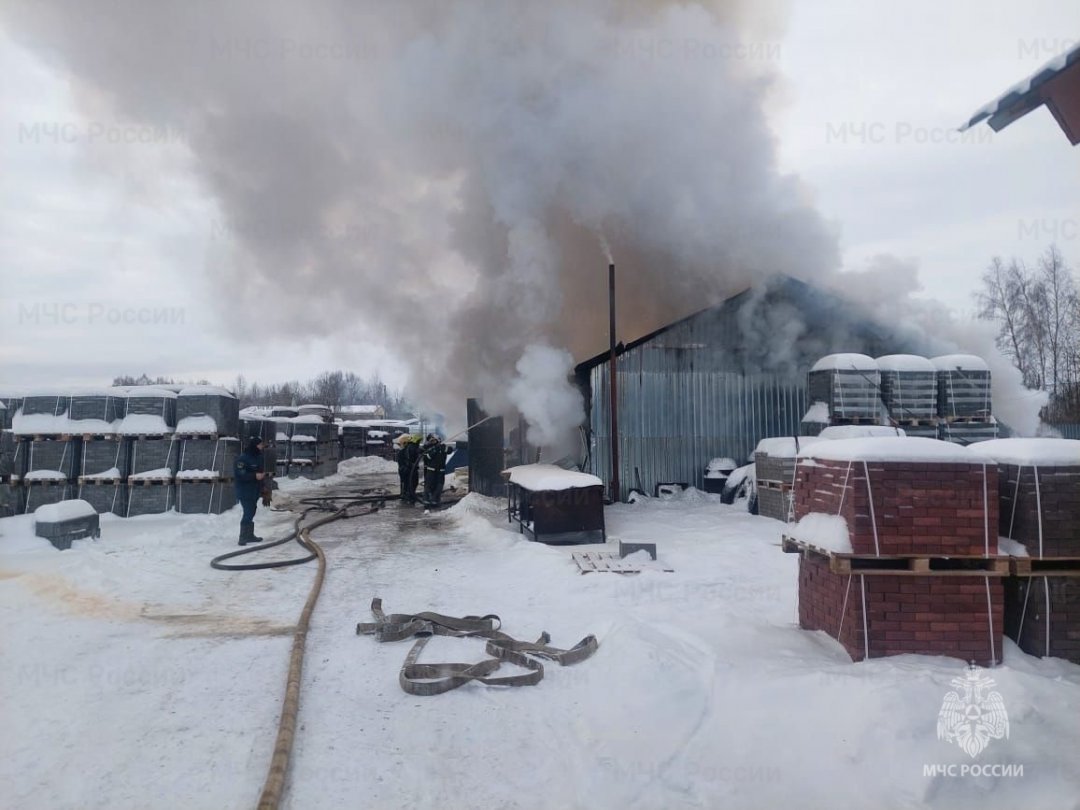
(438, 174)
(543, 398)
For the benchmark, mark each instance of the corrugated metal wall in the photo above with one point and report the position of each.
(716, 382)
(679, 407)
(1068, 431)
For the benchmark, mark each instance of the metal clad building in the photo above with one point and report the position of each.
(716, 382)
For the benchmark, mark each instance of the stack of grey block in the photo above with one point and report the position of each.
(775, 475)
(283, 443)
(909, 390)
(11, 470)
(313, 448)
(105, 457)
(844, 389)
(963, 399)
(151, 481)
(49, 455)
(152, 402)
(353, 441)
(208, 425)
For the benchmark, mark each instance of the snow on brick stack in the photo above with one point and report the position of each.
(909, 391)
(963, 400)
(1039, 482)
(918, 501)
(843, 389)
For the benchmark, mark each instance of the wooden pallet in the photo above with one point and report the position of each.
(147, 482)
(1046, 566)
(46, 437)
(975, 420)
(907, 422)
(909, 565)
(93, 480)
(854, 420)
(607, 562)
(783, 486)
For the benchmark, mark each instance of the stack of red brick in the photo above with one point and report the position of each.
(1042, 613)
(904, 508)
(918, 508)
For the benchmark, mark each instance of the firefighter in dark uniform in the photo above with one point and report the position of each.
(408, 462)
(248, 478)
(434, 455)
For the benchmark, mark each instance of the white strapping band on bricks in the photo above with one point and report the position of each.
(865, 627)
(1046, 580)
(843, 491)
(986, 540)
(873, 518)
(843, 610)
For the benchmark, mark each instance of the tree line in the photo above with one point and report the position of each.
(333, 388)
(1037, 309)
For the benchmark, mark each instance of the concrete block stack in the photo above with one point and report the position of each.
(963, 399)
(11, 470)
(48, 453)
(909, 391)
(353, 440)
(1039, 491)
(774, 466)
(208, 427)
(899, 551)
(283, 445)
(843, 390)
(105, 456)
(313, 447)
(149, 426)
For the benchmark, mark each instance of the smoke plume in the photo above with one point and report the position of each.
(449, 175)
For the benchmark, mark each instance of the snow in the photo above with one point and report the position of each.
(1030, 452)
(307, 419)
(92, 426)
(65, 510)
(134, 675)
(45, 475)
(150, 393)
(829, 532)
(108, 475)
(784, 446)
(959, 362)
(205, 391)
(819, 413)
(196, 475)
(161, 472)
(39, 424)
(547, 477)
(891, 448)
(366, 464)
(905, 363)
(1012, 548)
(859, 431)
(197, 424)
(143, 424)
(720, 467)
(845, 362)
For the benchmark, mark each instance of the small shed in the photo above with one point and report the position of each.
(556, 506)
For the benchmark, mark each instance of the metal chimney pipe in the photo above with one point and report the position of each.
(613, 385)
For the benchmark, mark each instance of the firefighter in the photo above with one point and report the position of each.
(434, 455)
(248, 476)
(408, 462)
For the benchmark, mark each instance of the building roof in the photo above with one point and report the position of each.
(838, 324)
(1056, 84)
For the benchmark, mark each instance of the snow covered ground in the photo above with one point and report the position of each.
(133, 675)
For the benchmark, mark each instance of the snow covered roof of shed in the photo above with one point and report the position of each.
(547, 477)
(959, 362)
(845, 361)
(904, 362)
(1030, 452)
(1056, 84)
(891, 448)
(156, 393)
(205, 391)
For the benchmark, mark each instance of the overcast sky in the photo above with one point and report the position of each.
(103, 273)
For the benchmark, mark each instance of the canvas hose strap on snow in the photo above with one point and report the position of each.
(435, 679)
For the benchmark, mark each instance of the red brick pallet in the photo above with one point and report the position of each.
(1042, 615)
(900, 565)
(926, 614)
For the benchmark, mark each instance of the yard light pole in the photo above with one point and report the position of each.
(613, 385)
